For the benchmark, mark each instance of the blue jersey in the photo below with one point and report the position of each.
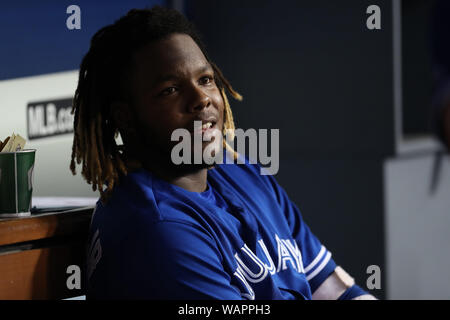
(241, 239)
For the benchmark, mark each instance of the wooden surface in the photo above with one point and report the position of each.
(36, 251)
(13, 230)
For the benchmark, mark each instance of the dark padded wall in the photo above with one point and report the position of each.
(417, 77)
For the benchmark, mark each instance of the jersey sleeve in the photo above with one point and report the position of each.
(317, 261)
(171, 260)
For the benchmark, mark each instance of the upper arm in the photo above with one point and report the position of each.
(326, 279)
(317, 260)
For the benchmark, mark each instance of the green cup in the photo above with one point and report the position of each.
(16, 182)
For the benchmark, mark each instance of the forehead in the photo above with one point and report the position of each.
(178, 53)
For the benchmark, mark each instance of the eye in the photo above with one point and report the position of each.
(206, 80)
(168, 91)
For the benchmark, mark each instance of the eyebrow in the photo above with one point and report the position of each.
(172, 76)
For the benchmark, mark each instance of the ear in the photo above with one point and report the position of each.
(123, 117)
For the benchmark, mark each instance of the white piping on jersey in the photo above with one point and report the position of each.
(320, 267)
(316, 259)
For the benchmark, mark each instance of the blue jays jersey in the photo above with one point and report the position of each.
(241, 239)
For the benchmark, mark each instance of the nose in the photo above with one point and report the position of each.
(199, 101)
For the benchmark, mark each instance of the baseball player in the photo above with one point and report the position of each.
(189, 231)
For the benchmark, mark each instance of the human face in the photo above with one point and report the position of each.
(173, 86)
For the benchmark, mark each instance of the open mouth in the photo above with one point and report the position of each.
(208, 126)
(204, 126)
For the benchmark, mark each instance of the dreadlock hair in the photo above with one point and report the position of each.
(109, 59)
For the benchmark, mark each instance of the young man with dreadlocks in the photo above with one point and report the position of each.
(166, 231)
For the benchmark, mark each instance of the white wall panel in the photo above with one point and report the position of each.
(52, 174)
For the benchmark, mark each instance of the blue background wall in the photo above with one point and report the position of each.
(34, 38)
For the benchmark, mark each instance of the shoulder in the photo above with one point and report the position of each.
(247, 176)
(244, 170)
(133, 195)
(142, 202)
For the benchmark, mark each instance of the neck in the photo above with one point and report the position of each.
(195, 181)
(188, 177)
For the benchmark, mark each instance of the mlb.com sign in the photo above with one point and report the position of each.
(49, 118)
